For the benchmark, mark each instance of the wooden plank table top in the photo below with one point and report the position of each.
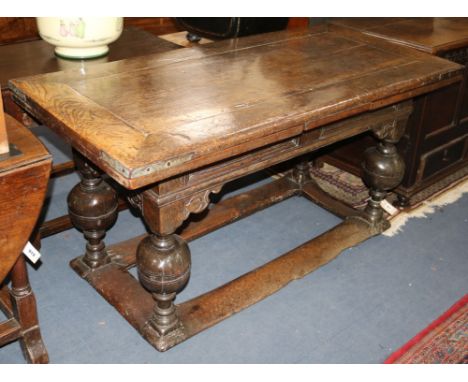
(146, 119)
(428, 34)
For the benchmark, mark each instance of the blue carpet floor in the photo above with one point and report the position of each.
(357, 309)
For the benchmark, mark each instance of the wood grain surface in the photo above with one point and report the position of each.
(146, 119)
(15, 29)
(428, 34)
(3, 133)
(37, 57)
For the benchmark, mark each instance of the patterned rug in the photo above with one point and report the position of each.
(352, 191)
(443, 341)
(341, 184)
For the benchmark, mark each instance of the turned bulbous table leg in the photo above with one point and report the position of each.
(383, 170)
(92, 206)
(163, 263)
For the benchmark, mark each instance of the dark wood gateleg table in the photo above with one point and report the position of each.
(173, 128)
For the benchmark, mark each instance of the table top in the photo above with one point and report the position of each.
(149, 118)
(37, 57)
(428, 34)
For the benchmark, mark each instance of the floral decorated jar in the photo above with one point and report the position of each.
(80, 37)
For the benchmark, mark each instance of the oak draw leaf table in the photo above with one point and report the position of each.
(174, 127)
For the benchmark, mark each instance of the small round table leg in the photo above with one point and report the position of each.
(25, 311)
(192, 37)
(402, 201)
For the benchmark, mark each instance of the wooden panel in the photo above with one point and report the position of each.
(363, 23)
(431, 34)
(441, 105)
(155, 25)
(460, 56)
(37, 57)
(15, 29)
(464, 105)
(184, 109)
(22, 193)
(298, 22)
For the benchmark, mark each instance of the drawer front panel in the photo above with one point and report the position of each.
(464, 105)
(439, 110)
(445, 156)
(460, 56)
(464, 101)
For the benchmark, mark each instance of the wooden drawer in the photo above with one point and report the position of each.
(441, 158)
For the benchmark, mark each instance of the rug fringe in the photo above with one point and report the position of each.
(427, 207)
(447, 195)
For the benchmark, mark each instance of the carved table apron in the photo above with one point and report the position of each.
(189, 122)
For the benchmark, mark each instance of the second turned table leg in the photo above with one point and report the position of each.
(163, 263)
(92, 205)
(383, 169)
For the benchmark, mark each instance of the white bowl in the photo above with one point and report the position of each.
(80, 37)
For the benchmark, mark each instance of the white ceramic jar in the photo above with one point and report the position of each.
(80, 37)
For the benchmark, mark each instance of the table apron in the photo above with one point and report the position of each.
(216, 175)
